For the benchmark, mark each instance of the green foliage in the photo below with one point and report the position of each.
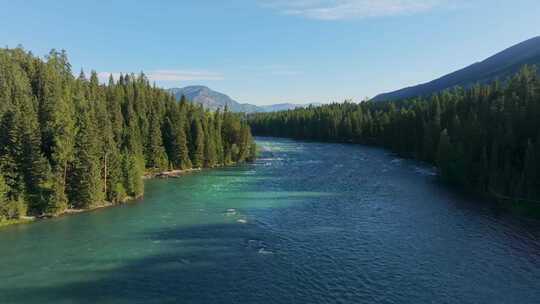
(244, 144)
(3, 197)
(119, 194)
(72, 142)
(3, 189)
(253, 152)
(484, 139)
(197, 151)
(210, 151)
(57, 121)
(13, 209)
(86, 184)
(175, 137)
(155, 152)
(9, 208)
(133, 168)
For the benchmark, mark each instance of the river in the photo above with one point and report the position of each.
(307, 223)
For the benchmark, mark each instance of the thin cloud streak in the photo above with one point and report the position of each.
(350, 9)
(273, 69)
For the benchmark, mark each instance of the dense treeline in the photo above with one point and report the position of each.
(71, 142)
(485, 139)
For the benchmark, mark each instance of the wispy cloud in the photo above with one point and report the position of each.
(280, 70)
(172, 75)
(350, 9)
(273, 69)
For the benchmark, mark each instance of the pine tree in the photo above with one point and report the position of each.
(210, 152)
(253, 152)
(185, 161)
(4, 190)
(245, 143)
(35, 167)
(87, 187)
(444, 153)
(197, 158)
(218, 140)
(133, 169)
(132, 134)
(155, 152)
(10, 153)
(58, 129)
(530, 173)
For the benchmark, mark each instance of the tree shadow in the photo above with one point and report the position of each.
(222, 263)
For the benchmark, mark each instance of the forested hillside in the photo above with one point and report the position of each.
(71, 142)
(499, 66)
(485, 139)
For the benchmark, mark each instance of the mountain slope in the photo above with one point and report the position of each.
(500, 66)
(284, 107)
(210, 99)
(214, 100)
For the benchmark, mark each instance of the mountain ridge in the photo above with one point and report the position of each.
(214, 100)
(498, 66)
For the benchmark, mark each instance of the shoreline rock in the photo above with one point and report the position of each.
(170, 174)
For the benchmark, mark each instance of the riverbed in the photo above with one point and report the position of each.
(306, 223)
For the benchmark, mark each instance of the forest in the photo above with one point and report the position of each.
(484, 139)
(70, 142)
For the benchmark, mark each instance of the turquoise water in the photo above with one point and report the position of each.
(308, 223)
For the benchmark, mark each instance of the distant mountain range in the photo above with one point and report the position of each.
(499, 66)
(214, 100)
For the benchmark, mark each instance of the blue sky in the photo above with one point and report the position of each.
(272, 51)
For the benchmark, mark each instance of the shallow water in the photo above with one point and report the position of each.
(308, 223)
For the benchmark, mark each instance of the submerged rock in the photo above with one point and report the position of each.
(264, 251)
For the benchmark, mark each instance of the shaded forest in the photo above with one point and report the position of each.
(485, 139)
(71, 142)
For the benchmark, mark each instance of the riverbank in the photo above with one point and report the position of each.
(69, 211)
(24, 220)
(171, 173)
(72, 211)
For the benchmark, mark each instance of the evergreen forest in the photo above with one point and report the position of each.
(69, 142)
(484, 139)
